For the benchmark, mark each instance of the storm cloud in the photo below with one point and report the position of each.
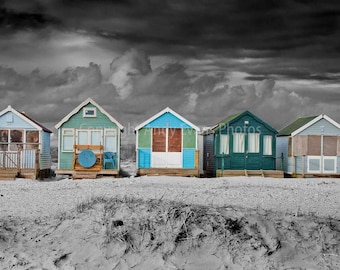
(205, 59)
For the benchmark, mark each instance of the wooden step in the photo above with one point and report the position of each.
(84, 175)
(8, 174)
(254, 173)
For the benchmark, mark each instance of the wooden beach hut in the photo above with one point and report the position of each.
(24, 146)
(88, 142)
(166, 144)
(242, 144)
(310, 146)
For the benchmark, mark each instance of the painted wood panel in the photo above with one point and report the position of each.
(144, 138)
(167, 120)
(189, 138)
(321, 127)
(78, 121)
(188, 158)
(10, 120)
(330, 145)
(158, 140)
(144, 158)
(208, 154)
(45, 154)
(282, 148)
(173, 160)
(174, 140)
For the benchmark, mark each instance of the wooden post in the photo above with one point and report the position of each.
(197, 159)
(303, 166)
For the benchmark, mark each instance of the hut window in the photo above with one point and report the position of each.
(224, 144)
(267, 145)
(110, 140)
(174, 140)
(159, 140)
(329, 145)
(4, 140)
(68, 140)
(32, 139)
(314, 145)
(238, 145)
(16, 136)
(89, 112)
(89, 137)
(253, 142)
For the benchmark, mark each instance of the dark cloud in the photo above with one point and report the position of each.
(278, 59)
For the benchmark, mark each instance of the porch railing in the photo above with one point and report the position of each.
(21, 159)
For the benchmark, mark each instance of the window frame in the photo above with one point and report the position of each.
(265, 153)
(85, 115)
(63, 139)
(257, 143)
(234, 141)
(224, 144)
(106, 135)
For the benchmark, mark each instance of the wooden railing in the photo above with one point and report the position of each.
(22, 159)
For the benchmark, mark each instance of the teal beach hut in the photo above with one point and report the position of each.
(89, 142)
(243, 145)
(166, 144)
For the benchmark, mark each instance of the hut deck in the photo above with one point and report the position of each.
(262, 173)
(169, 172)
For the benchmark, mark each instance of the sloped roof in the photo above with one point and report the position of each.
(26, 118)
(34, 121)
(167, 110)
(298, 123)
(234, 117)
(80, 106)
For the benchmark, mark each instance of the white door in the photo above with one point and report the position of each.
(166, 148)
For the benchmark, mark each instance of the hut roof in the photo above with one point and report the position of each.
(298, 123)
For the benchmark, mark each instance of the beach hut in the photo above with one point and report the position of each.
(88, 142)
(310, 146)
(166, 144)
(242, 144)
(24, 146)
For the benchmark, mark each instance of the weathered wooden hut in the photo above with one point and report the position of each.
(24, 146)
(166, 144)
(310, 146)
(88, 142)
(242, 144)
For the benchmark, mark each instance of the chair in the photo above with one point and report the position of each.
(109, 160)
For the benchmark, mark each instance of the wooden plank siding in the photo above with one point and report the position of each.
(76, 122)
(166, 142)
(245, 158)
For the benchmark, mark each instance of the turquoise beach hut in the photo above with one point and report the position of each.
(89, 142)
(166, 144)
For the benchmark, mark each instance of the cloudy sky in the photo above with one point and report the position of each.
(205, 59)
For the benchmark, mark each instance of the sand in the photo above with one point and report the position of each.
(170, 223)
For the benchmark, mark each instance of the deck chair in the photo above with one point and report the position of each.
(109, 160)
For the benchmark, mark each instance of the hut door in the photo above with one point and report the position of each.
(322, 154)
(166, 148)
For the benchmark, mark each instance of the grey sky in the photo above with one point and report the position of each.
(205, 59)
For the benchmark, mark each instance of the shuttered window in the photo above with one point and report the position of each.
(174, 140)
(158, 140)
(329, 145)
(314, 145)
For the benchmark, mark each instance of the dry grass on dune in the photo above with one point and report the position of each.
(125, 232)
